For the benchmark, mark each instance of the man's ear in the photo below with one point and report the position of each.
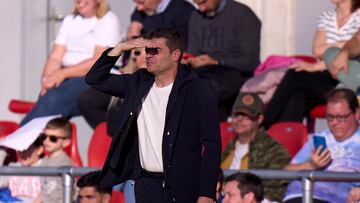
(249, 197)
(260, 119)
(357, 113)
(66, 142)
(106, 198)
(176, 55)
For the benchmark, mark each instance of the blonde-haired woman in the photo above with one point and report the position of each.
(82, 37)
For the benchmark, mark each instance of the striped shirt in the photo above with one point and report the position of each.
(328, 23)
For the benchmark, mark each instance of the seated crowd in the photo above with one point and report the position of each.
(222, 45)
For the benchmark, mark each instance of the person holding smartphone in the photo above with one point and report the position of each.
(334, 154)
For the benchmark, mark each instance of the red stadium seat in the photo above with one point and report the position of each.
(99, 146)
(6, 128)
(227, 134)
(117, 197)
(292, 135)
(20, 106)
(72, 150)
(317, 112)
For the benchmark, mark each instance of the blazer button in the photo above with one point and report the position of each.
(131, 113)
(168, 133)
(173, 199)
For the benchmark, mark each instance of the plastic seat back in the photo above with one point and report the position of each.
(6, 128)
(72, 150)
(292, 135)
(117, 197)
(99, 146)
(20, 106)
(227, 134)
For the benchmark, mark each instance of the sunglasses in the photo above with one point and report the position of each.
(52, 138)
(152, 51)
(137, 53)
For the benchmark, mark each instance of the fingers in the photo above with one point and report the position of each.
(319, 157)
(134, 29)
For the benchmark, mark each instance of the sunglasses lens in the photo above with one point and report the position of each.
(151, 51)
(53, 139)
(137, 53)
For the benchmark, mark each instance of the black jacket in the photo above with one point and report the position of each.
(191, 145)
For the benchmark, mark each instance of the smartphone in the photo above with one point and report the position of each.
(319, 140)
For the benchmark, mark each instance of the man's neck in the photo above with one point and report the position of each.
(246, 138)
(56, 153)
(166, 78)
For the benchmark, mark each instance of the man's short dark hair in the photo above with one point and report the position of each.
(343, 94)
(173, 38)
(92, 180)
(60, 123)
(248, 182)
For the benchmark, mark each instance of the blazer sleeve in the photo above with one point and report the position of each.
(99, 76)
(209, 138)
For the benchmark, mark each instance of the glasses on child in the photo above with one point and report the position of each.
(52, 138)
(152, 51)
(340, 118)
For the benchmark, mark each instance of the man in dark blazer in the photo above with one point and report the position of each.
(168, 137)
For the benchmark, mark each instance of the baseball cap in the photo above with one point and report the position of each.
(249, 104)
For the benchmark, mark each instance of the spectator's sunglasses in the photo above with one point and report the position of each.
(152, 51)
(137, 53)
(52, 138)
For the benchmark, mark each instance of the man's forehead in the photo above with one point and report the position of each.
(159, 41)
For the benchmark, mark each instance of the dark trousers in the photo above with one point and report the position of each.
(226, 82)
(149, 188)
(94, 106)
(296, 95)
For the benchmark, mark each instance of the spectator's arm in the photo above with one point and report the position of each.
(318, 160)
(320, 45)
(341, 61)
(246, 56)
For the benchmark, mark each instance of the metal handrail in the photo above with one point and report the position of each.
(307, 177)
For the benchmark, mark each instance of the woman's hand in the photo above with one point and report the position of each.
(308, 67)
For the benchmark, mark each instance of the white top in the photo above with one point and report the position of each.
(151, 122)
(240, 151)
(328, 23)
(80, 36)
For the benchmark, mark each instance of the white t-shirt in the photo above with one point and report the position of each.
(328, 23)
(80, 36)
(151, 123)
(240, 151)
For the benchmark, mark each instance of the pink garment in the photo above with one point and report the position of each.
(265, 83)
(273, 62)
